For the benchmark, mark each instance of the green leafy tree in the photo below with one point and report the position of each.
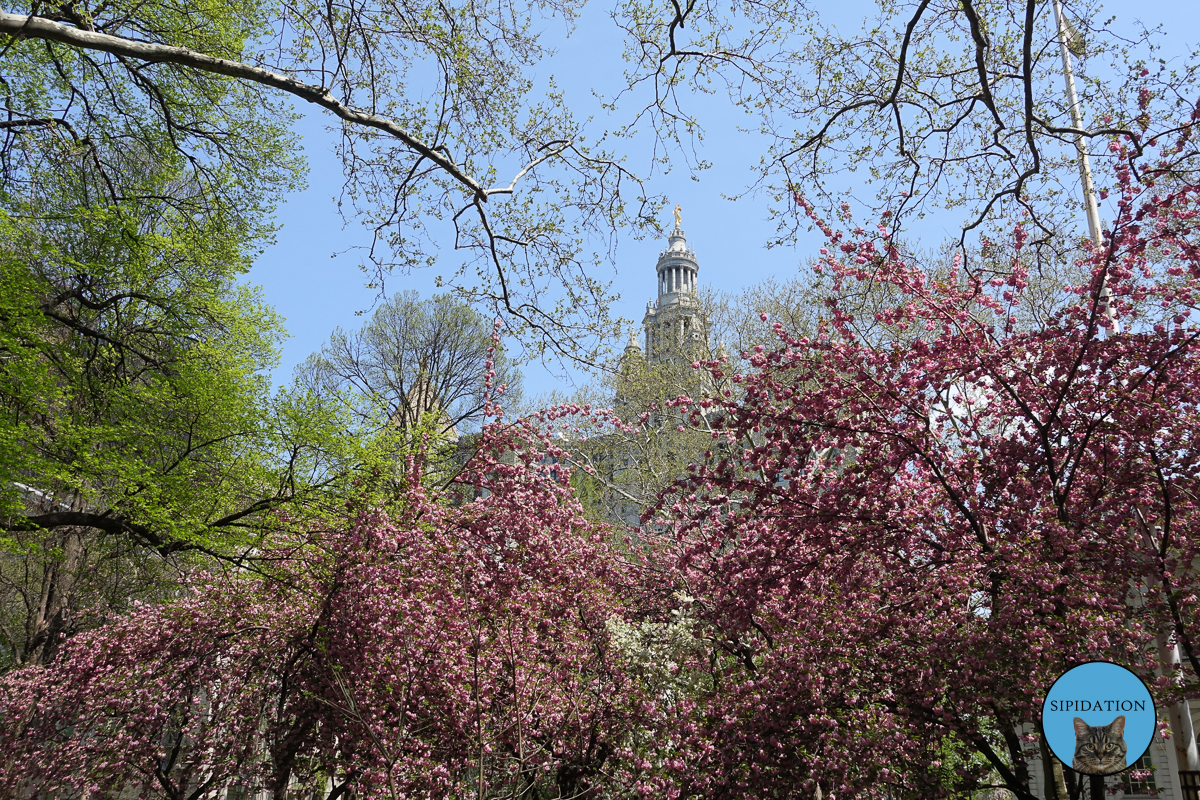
(138, 429)
(135, 409)
(414, 358)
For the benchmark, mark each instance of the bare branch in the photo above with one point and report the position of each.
(512, 184)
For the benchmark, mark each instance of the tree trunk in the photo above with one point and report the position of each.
(45, 626)
(1056, 782)
(1074, 784)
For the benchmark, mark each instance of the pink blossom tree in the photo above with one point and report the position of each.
(451, 650)
(894, 548)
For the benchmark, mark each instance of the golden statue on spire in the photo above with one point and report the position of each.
(678, 216)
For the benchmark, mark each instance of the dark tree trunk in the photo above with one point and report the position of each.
(50, 617)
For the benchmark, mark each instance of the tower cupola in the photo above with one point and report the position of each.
(677, 267)
(674, 323)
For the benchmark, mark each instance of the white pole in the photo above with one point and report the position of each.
(1179, 714)
(1085, 167)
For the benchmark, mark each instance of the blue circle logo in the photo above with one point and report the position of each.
(1098, 718)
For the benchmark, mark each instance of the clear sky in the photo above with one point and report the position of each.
(317, 292)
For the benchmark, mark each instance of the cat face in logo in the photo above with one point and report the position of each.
(1099, 750)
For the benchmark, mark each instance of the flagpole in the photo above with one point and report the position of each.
(1085, 166)
(1178, 714)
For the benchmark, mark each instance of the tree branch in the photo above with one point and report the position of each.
(19, 25)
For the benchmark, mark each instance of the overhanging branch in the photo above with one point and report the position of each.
(40, 28)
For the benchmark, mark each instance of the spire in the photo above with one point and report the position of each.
(632, 344)
(675, 323)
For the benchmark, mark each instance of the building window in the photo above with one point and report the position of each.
(1144, 784)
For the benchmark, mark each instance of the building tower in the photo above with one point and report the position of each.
(675, 327)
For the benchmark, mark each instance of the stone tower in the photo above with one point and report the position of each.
(675, 327)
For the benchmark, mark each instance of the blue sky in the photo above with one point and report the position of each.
(316, 292)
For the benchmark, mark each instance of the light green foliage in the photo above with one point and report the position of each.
(132, 385)
(135, 198)
(200, 144)
(137, 425)
(410, 383)
(131, 351)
